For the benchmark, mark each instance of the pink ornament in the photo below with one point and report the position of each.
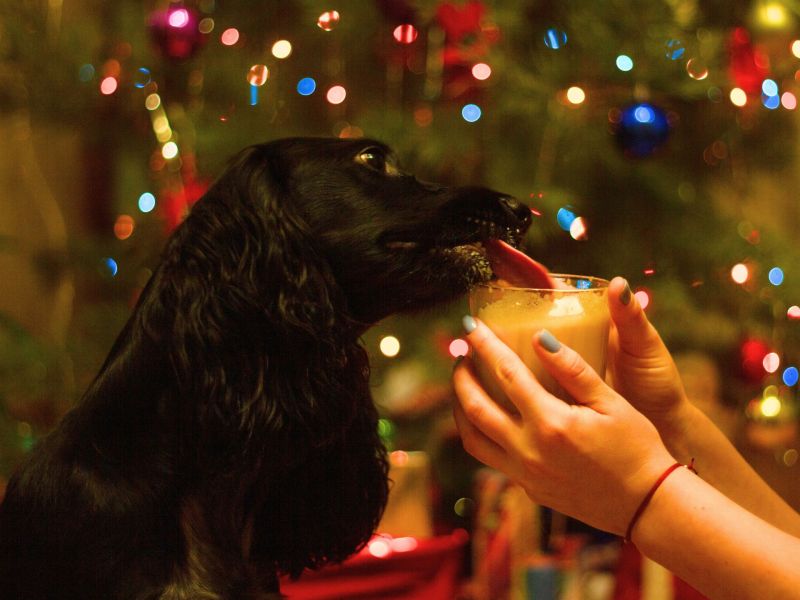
(175, 33)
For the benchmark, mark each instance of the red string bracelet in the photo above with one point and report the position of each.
(650, 494)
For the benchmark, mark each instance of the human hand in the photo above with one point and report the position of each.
(594, 460)
(641, 368)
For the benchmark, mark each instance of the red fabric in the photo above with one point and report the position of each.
(433, 571)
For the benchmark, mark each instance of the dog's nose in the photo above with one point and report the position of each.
(515, 207)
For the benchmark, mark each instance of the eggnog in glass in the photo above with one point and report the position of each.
(575, 312)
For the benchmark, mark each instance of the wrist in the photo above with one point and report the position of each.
(675, 429)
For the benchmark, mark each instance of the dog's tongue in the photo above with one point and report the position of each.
(515, 268)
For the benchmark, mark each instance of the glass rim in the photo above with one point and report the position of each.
(598, 283)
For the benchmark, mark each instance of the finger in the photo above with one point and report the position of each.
(515, 379)
(634, 333)
(478, 407)
(476, 443)
(571, 371)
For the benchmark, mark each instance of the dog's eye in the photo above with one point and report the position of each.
(376, 159)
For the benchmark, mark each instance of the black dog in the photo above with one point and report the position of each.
(230, 435)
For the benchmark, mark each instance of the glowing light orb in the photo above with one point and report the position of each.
(771, 362)
(142, 77)
(740, 273)
(793, 312)
(306, 86)
(169, 150)
(458, 347)
(788, 101)
(123, 227)
(481, 71)
(674, 49)
(770, 407)
(772, 15)
(152, 102)
(775, 276)
(328, 20)
(769, 87)
(738, 97)
(643, 298)
(790, 376)
(576, 95)
(471, 113)
(379, 547)
(206, 25)
(281, 49)
(564, 218)
(147, 202)
(389, 346)
(229, 37)
(555, 39)
(111, 266)
(578, 229)
(405, 34)
(624, 62)
(336, 94)
(770, 102)
(178, 18)
(257, 75)
(404, 544)
(697, 69)
(108, 86)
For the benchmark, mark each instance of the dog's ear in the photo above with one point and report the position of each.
(259, 329)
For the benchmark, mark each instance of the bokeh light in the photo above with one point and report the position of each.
(169, 150)
(142, 77)
(389, 346)
(152, 102)
(770, 102)
(111, 266)
(328, 20)
(471, 113)
(769, 87)
(379, 547)
(86, 73)
(624, 62)
(793, 312)
(775, 276)
(674, 49)
(257, 75)
(229, 37)
(306, 86)
(697, 68)
(555, 38)
(178, 18)
(796, 48)
(771, 362)
(206, 25)
(738, 97)
(481, 71)
(108, 86)
(282, 49)
(146, 202)
(770, 407)
(790, 376)
(740, 273)
(788, 100)
(576, 95)
(123, 227)
(336, 94)
(405, 34)
(578, 229)
(565, 217)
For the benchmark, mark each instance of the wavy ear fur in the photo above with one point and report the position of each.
(272, 382)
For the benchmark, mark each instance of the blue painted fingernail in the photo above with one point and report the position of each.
(625, 296)
(469, 324)
(548, 341)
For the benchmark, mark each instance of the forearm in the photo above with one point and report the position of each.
(694, 436)
(715, 545)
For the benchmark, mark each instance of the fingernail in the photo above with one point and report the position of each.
(548, 341)
(625, 296)
(469, 324)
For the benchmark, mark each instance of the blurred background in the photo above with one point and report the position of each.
(655, 140)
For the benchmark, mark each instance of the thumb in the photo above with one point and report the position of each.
(635, 334)
(571, 371)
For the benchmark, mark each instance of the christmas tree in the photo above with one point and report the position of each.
(656, 144)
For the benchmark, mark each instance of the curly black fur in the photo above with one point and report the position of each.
(230, 435)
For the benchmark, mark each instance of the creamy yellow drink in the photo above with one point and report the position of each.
(576, 314)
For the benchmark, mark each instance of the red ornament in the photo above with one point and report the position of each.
(749, 65)
(175, 33)
(752, 353)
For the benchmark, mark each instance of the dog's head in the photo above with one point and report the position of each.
(393, 242)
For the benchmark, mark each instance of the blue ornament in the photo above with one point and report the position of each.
(642, 129)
